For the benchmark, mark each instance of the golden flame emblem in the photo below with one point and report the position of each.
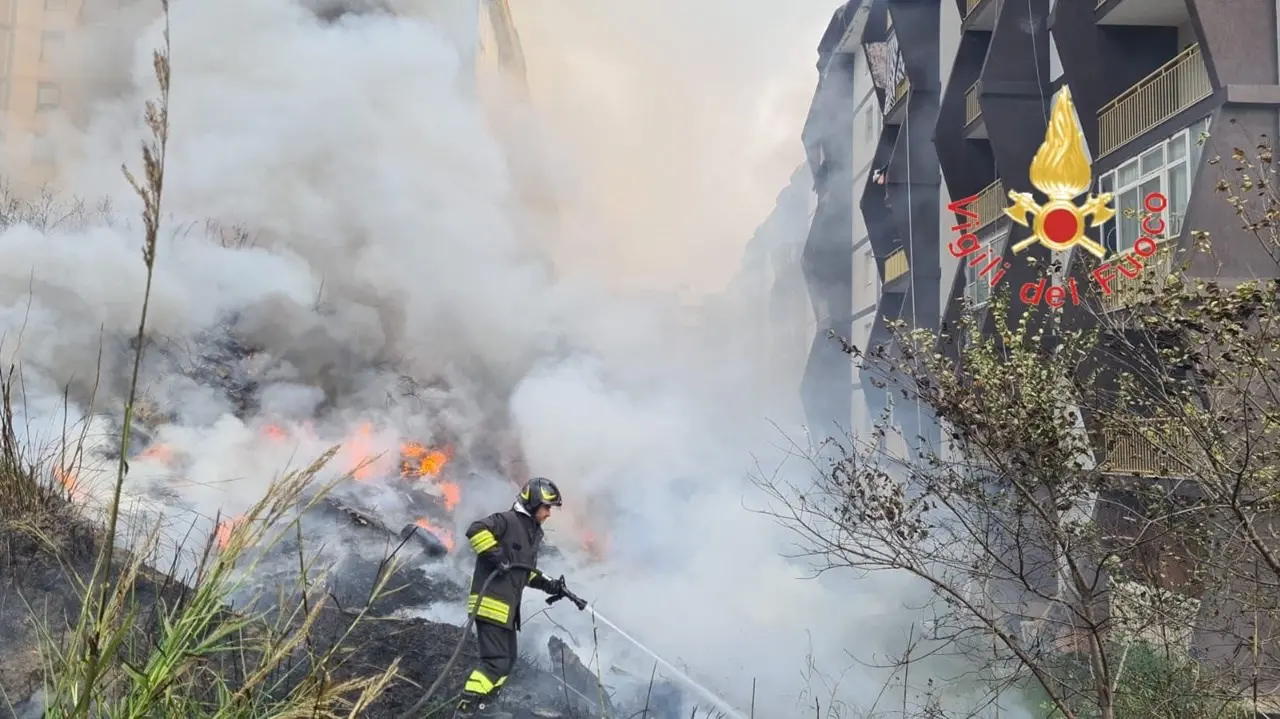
(1061, 171)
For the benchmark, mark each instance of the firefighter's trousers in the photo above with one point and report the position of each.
(497, 657)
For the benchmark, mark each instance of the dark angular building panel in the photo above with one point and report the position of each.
(827, 258)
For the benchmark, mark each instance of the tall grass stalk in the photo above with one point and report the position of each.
(146, 646)
(150, 190)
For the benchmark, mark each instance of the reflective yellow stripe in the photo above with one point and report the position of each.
(484, 540)
(490, 608)
(533, 576)
(500, 682)
(478, 683)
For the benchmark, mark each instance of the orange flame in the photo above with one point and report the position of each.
(452, 494)
(67, 479)
(360, 450)
(419, 461)
(444, 535)
(275, 433)
(160, 452)
(225, 527)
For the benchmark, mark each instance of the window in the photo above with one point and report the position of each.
(870, 124)
(871, 272)
(977, 287)
(55, 4)
(51, 42)
(1165, 168)
(48, 96)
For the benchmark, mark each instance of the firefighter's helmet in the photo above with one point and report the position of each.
(540, 491)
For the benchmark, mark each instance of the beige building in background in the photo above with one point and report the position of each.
(39, 83)
(33, 41)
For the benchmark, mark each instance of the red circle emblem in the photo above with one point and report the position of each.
(1061, 225)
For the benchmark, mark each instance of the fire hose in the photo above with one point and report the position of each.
(579, 602)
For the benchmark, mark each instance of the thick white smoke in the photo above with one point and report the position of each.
(386, 240)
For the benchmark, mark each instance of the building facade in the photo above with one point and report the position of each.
(876, 148)
(33, 85)
(962, 91)
(966, 88)
(770, 284)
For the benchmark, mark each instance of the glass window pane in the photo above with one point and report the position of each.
(1127, 174)
(1179, 192)
(1108, 237)
(1153, 160)
(1197, 130)
(1178, 148)
(1127, 210)
(1106, 183)
(1150, 186)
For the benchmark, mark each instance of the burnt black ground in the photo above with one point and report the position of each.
(33, 578)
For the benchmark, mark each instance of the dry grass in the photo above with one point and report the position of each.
(139, 643)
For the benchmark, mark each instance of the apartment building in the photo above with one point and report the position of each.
(1159, 87)
(963, 90)
(870, 142)
(836, 141)
(770, 285)
(966, 88)
(33, 42)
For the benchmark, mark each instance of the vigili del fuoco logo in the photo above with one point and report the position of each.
(1060, 171)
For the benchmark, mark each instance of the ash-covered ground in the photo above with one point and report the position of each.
(398, 525)
(37, 589)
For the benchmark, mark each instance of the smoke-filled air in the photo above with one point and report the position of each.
(460, 280)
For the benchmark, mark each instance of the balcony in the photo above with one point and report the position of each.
(973, 112)
(1127, 292)
(1142, 447)
(981, 14)
(1152, 13)
(893, 108)
(895, 266)
(1172, 88)
(990, 204)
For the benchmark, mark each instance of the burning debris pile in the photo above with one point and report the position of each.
(399, 503)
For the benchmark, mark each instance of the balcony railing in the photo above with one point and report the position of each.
(1144, 448)
(895, 266)
(1155, 272)
(1172, 88)
(990, 204)
(972, 110)
(899, 92)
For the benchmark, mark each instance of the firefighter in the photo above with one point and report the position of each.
(501, 540)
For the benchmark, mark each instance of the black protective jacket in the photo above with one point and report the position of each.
(510, 536)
